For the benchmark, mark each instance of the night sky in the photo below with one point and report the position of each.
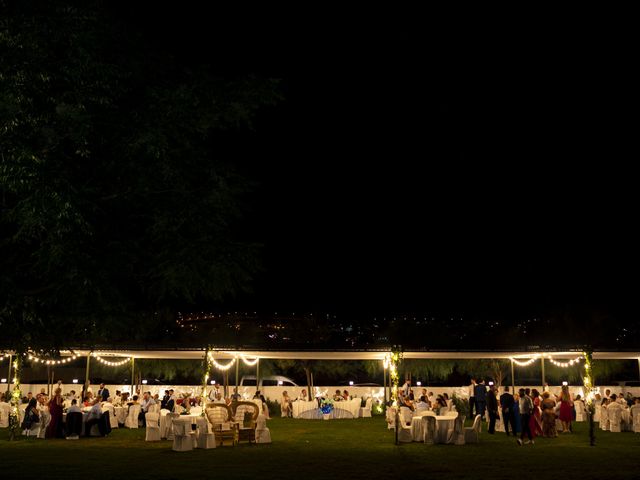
(409, 171)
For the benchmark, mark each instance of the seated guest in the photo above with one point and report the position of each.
(614, 403)
(303, 395)
(74, 408)
(124, 398)
(441, 402)
(345, 395)
(338, 396)
(94, 417)
(133, 401)
(117, 400)
(87, 401)
(147, 402)
(635, 408)
(31, 416)
(219, 398)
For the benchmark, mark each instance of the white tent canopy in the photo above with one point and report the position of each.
(186, 354)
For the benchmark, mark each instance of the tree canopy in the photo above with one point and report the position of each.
(119, 202)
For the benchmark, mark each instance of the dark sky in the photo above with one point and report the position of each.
(407, 170)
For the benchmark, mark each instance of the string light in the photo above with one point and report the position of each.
(386, 361)
(525, 363)
(111, 364)
(219, 366)
(248, 362)
(34, 358)
(565, 364)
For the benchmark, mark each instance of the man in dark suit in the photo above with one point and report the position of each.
(103, 393)
(481, 398)
(492, 408)
(507, 403)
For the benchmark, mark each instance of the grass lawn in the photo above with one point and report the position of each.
(309, 449)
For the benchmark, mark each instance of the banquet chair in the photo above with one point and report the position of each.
(406, 415)
(5, 411)
(580, 412)
(604, 419)
(113, 420)
(221, 417)
(391, 418)
(152, 420)
(636, 419)
(472, 434)
(170, 419)
(246, 416)
(615, 419)
(404, 432)
(263, 435)
(429, 429)
(73, 425)
(596, 415)
(196, 411)
(182, 436)
(455, 435)
(132, 416)
(366, 410)
(205, 438)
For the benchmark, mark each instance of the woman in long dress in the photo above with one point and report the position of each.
(54, 429)
(548, 416)
(535, 420)
(566, 409)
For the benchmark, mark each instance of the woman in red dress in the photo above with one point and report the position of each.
(54, 429)
(566, 409)
(535, 421)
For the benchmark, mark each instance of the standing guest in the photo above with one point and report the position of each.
(286, 408)
(54, 429)
(536, 417)
(472, 397)
(406, 387)
(265, 408)
(526, 409)
(492, 408)
(506, 403)
(235, 396)
(566, 406)
(480, 392)
(517, 423)
(607, 393)
(548, 406)
(28, 398)
(103, 393)
(165, 400)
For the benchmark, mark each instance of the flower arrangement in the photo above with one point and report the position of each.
(326, 405)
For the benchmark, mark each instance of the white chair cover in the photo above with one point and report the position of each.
(580, 411)
(366, 410)
(152, 419)
(195, 411)
(404, 433)
(182, 435)
(391, 418)
(429, 428)
(5, 411)
(406, 415)
(171, 418)
(615, 419)
(604, 419)
(635, 411)
(472, 434)
(113, 420)
(263, 435)
(132, 416)
(204, 434)
(596, 415)
(456, 434)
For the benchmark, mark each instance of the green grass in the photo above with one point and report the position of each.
(311, 449)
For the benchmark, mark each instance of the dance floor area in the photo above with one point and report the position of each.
(309, 449)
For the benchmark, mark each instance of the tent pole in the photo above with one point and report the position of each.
(9, 373)
(384, 383)
(133, 363)
(86, 374)
(237, 372)
(542, 363)
(258, 375)
(513, 379)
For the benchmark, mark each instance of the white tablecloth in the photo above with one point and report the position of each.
(443, 424)
(352, 406)
(299, 407)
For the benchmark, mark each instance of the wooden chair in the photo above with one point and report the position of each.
(221, 418)
(245, 414)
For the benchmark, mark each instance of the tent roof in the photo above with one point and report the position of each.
(178, 354)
